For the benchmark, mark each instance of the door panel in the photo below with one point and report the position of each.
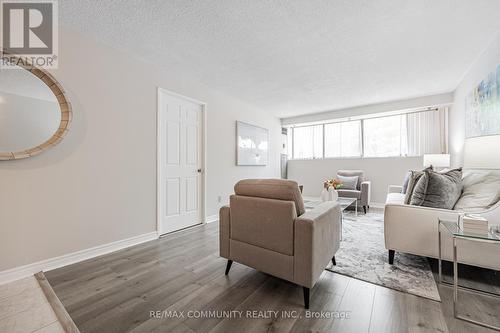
(192, 144)
(192, 193)
(179, 140)
(173, 143)
(172, 196)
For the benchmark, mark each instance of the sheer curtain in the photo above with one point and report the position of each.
(427, 132)
(343, 139)
(385, 136)
(308, 142)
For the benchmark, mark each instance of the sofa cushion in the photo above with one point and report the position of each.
(349, 183)
(481, 190)
(272, 189)
(438, 190)
(352, 173)
(349, 193)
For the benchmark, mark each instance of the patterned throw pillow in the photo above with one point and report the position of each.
(438, 190)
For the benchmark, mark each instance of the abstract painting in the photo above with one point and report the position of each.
(482, 108)
(252, 144)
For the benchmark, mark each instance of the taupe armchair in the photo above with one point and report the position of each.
(363, 188)
(267, 228)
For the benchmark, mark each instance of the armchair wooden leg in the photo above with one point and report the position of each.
(391, 256)
(228, 266)
(306, 297)
(364, 208)
(333, 261)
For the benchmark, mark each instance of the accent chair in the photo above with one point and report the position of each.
(266, 227)
(362, 192)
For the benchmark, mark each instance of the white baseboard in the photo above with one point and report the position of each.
(212, 218)
(71, 258)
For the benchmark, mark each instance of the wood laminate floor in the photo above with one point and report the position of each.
(182, 274)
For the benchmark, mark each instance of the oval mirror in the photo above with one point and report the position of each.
(34, 111)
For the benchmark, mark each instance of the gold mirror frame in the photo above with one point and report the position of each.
(64, 107)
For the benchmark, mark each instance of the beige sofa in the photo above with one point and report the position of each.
(267, 228)
(414, 229)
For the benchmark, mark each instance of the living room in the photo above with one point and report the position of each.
(319, 166)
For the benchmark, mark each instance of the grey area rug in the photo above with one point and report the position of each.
(362, 255)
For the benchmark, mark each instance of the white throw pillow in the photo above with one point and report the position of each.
(481, 191)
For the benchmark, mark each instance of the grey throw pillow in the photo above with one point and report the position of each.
(438, 190)
(348, 183)
(404, 188)
(413, 178)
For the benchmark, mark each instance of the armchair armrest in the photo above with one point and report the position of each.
(316, 239)
(395, 189)
(224, 231)
(366, 193)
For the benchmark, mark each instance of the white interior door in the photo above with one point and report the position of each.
(179, 162)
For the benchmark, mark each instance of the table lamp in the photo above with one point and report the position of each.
(437, 160)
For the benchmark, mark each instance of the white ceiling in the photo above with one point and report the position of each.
(293, 57)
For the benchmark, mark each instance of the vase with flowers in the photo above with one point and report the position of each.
(324, 194)
(330, 187)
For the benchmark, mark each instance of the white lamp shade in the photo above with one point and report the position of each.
(437, 160)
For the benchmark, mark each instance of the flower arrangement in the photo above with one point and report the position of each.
(335, 183)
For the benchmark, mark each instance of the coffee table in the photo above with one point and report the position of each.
(310, 203)
(346, 202)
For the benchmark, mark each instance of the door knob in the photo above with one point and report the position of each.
(199, 170)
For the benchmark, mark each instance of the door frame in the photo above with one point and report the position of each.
(203, 174)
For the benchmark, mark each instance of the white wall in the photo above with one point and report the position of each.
(382, 172)
(487, 62)
(37, 119)
(99, 184)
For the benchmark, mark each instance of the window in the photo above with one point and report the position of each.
(405, 134)
(289, 143)
(308, 142)
(385, 136)
(332, 140)
(343, 139)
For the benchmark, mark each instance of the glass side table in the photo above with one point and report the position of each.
(454, 230)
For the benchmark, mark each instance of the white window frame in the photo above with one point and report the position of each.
(362, 132)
